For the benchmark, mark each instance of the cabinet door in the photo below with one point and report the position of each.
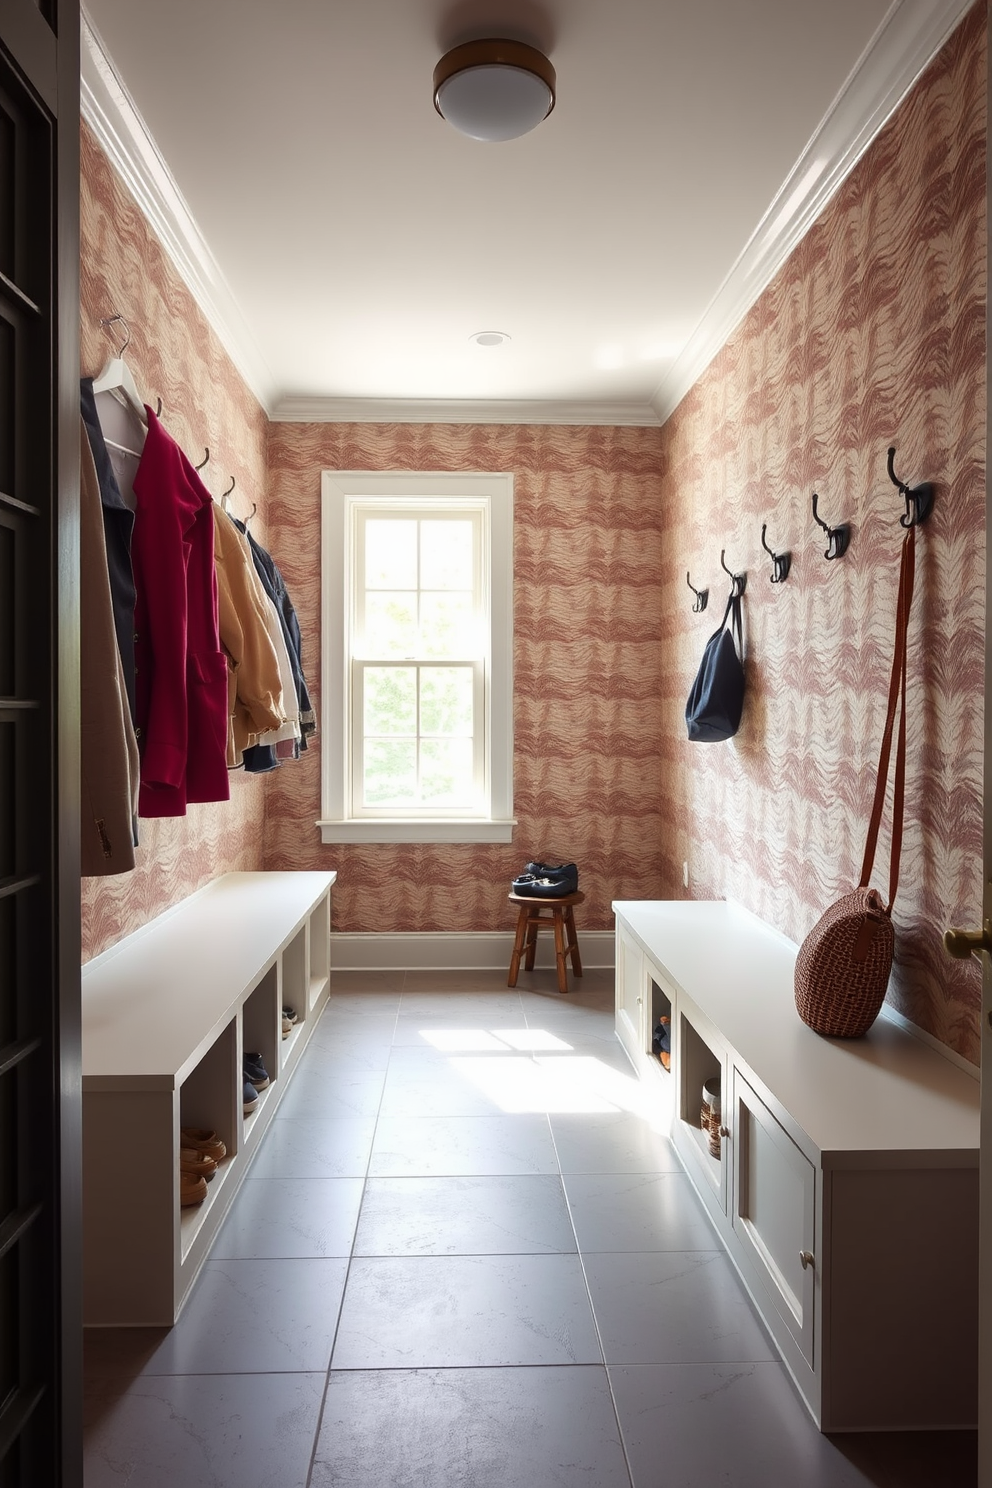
(774, 1211)
(630, 995)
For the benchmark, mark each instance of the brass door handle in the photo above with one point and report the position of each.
(964, 943)
(806, 1257)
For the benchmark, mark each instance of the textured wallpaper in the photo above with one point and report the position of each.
(587, 661)
(174, 355)
(872, 335)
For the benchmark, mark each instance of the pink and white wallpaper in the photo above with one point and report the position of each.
(872, 335)
(587, 662)
(174, 355)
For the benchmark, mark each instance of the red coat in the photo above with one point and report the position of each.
(180, 669)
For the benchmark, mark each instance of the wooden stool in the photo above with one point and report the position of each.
(529, 921)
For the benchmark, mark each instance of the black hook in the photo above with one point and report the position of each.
(702, 596)
(781, 562)
(837, 537)
(229, 489)
(738, 582)
(254, 509)
(158, 411)
(110, 320)
(206, 457)
(919, 499)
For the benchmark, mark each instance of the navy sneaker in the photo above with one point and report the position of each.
(255, 1071)
(250, 1097)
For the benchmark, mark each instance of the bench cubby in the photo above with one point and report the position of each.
(167, 1016)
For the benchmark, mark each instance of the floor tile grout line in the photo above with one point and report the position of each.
(596, 1322)
(318, 1427)
(592, 1309)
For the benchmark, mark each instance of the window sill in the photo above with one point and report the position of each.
(449, 829)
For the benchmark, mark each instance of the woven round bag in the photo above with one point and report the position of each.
(843, 966)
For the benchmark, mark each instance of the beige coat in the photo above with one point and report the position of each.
(107, 745)
(254, 686)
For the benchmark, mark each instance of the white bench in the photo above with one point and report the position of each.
(846, 1186)
(166, 1016)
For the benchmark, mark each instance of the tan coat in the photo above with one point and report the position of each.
(254, 686)
(108, 749)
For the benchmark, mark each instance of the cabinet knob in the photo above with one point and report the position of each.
(639, 1001)
(725, 1131)
(806, 1257)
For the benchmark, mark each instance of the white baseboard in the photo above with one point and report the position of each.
(444, 951)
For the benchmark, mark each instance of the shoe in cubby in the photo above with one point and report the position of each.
(255, 1071)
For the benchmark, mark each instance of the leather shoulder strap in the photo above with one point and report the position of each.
(897, 698)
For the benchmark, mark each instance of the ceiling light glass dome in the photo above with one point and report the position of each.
(494, 90)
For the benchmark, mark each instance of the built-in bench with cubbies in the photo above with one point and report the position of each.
(841, 1175)
(167, 1015)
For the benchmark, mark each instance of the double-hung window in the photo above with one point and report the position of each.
(416, 701)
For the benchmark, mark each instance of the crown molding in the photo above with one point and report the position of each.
(905, 43)
(124, 137)
(459, 411)
(907, 40)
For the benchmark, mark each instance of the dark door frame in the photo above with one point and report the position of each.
(40, 1056)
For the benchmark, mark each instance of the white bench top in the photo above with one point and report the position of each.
(154, 1003)
(888, 1092)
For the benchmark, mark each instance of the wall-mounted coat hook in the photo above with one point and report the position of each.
(702, 596)
(919, 499)
(117, 319)
(837, 537)
(158, 411)
(738, 582)
(781, 562)
(226, 495)
(206, 457)
(254, 509)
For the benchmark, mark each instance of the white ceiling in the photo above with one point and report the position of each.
(347, 243)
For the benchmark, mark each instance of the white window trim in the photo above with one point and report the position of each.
(339, 488)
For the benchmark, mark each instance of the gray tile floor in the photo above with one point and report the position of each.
(463, 1259)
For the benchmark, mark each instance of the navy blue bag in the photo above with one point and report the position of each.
(716, 700)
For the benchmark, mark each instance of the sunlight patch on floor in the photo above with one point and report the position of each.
(529, 1070)
(461, 1040)
(517, 1085)
(468, 1040)
(597, 1078)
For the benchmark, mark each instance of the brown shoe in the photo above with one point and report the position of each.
(202, 1140)
(192, 1190)
(197, 1163)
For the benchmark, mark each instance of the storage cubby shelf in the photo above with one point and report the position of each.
(167, 1016)
(848, 1169)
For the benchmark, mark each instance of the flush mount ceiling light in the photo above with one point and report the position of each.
(489, 338)
(494, 90)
